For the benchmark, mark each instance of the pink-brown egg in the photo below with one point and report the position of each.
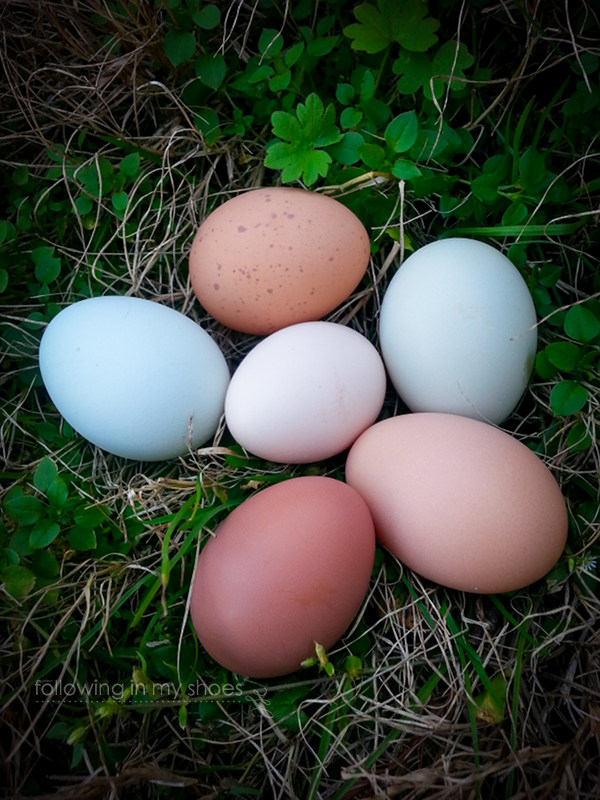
(273, 257)
(459, 501)
(288, 567)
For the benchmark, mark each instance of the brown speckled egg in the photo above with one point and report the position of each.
(459, 501)
(273, 257)
(288, 567)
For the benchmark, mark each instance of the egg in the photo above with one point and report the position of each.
(134, 377)
(273, 257)
(460, 502)
(288, 568)
(305, 392)
(457, 330)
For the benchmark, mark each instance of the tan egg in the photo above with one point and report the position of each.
(459, 501)
(288, 567)
(273, 257)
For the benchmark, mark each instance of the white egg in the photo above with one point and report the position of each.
(134, 377)
(305, 392)
(457, 330)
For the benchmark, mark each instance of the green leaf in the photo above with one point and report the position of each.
(401, 133)
(448, 66)
(581, 324)
(119, 201)
(57, 492)
(373, 156)
(82, 539)
(405, 170)
(18, 580)
(179, 46)
(47, 265)
(3, 279)
(414, 70)
(207, 122)
(347, 150)
(579, 438)
(45, 473)
(322, 46)
(391, 21)
(43, 533)
(350, 117)
(568, 397)
(297, 154)
(563, 355)
(7, 231)
(211, 69)
(345, 93)
(44, 564)
(532, 168)
(293, 54)
(130, 165)
(23, 508)
(208, 17)
(270, 42)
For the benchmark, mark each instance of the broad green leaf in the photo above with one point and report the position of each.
(47, 265)
(563, 355)
(23, 508)
(414, 70)
(345, 93)
(391, 21)
(43, 533)
(44, 564)
(405, 170)
(7, 231)
(448, 66)
(350, 117)
(45, 473)
(373, 156)
(347, 150)
(57, 492)
(89, 517)
(207, 122)
(119, 201)
(293, 54)
(18, 580)
(568, 397)
(515, 214)
(579, 438)
(130, 165)
(180, 46)
(82, 539)
(208, 17)
(581, 324)
(485, 188)
(3, 279)
(270, 42)
(322, 46)
(211, 69)
(401, 133)
(532, 168)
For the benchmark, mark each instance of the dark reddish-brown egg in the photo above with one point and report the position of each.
(287, 568)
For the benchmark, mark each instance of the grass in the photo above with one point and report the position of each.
(124, 125)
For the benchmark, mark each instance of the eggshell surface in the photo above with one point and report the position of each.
(287, 568)
(134, 377)
(457, 330)
(273, 257)
(459, 501)
(305, 392)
